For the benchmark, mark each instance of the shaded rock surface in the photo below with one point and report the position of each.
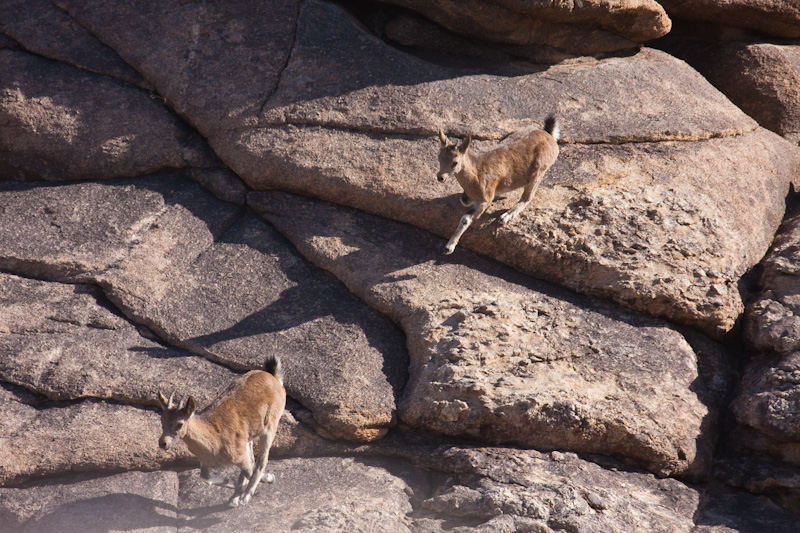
(487, 490)
(772, 17)
(569, 28)
(63, 123)
(175, 250)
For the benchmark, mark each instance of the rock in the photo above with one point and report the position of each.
(574, 28)
(759, 475)
(206, 277)
(534, 492)
(735, 512)
(123, 502)
(215, 63)
(82, 437)
(63, 341)
(761, 78)
(772, 321)
(62, 123)
(780, 18)
(499, 489)
(769, 397)
(310, 116)
(43, 29)
(499, 358)
(314, 494)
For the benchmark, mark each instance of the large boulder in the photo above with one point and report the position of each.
(652, 208)
(208, 277)
(574, 28)
(761, 78)
(497, 357)
(779, 18)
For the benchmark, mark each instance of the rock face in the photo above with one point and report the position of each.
(62, 123)
(189, 187)
(570, 28)
(496, 357)
(780, 18)
(761, 78)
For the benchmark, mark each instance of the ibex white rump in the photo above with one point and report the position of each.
(504, 169)
(247, 413)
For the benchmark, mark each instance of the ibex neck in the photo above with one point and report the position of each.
(469, 171)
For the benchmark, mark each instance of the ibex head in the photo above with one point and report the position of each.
(174, 418)
(451, 156)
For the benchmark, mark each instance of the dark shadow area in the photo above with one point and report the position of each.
(112, 512)
(744, 513)
(312, 294)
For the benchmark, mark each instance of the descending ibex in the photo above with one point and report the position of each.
(224, 433)
(504, 169)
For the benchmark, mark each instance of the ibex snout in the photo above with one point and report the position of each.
(165, 443)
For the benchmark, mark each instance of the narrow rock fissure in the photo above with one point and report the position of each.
(285, 64)
(418, 134)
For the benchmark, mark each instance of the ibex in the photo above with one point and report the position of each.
(504, 169)
(223, 434)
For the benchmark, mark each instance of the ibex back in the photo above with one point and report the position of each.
(224, 434)
(504, 169)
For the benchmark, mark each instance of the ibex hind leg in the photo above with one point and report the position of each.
(525, 199)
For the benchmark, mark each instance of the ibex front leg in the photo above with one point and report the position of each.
(477, 210)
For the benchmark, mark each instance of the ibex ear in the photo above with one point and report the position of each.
(442, 136)
(163, 400)
(190, 407)
(465, 145)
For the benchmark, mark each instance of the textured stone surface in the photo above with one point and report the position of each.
(124, 502)
(63, 341)
(760, 78)
(497, 357)
(573, 28)
(175, 250)
(62, 123)
(80, 437)
(359, 129)
(664, 196)
(773, 17)
(41, 28)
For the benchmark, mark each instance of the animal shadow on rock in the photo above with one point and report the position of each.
(113, 512)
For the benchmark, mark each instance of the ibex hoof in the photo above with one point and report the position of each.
(505, 218)
(449, 249)
(268, 478)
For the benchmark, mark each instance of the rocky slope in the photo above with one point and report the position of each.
(189, 187)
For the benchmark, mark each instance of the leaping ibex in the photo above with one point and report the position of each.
(504, 169)
(224, 433)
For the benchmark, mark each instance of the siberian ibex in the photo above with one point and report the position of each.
(224, 433)
(504, 169)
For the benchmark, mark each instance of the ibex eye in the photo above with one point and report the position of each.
(453, 164)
